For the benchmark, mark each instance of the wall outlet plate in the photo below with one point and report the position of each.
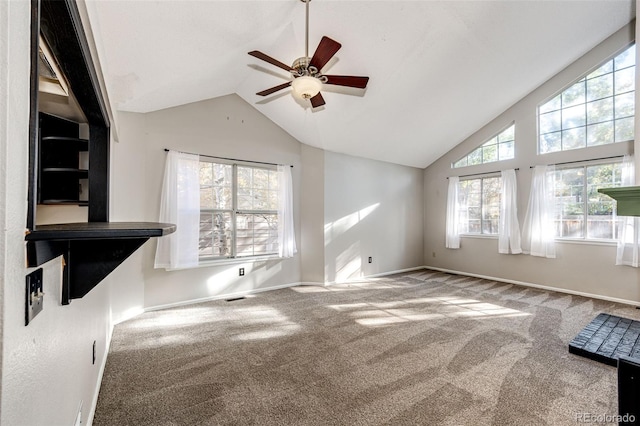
(34, 295)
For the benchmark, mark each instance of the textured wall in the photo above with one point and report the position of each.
(47, 369)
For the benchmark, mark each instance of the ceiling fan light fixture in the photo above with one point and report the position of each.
(306, 86)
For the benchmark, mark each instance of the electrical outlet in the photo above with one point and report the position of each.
(241, 272)
(370, 259)
(433, 253)
(34, 296)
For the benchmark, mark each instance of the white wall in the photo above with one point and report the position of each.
(312, 215)
(371, 209)
(579, 267)
(227, 127)
(47, 366)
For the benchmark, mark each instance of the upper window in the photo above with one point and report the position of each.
(581, 211)
(498, 148)
(238, 211)
(596, 110)
(479, 205)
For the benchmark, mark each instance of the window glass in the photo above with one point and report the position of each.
(479, 205)
(581, 211)
(500, 147)
(596, 110)
(238, 211)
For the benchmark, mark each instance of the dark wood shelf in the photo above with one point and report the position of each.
(91, 250)
(77, 143)
(99, 230)
(61, 202)
(81, 172)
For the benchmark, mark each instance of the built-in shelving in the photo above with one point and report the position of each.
(62, 180)
(67, 169)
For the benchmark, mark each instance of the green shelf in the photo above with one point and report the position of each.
(628, 198)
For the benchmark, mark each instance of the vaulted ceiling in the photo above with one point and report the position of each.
(439, 70)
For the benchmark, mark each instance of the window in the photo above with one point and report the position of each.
(498, 148)
(479, 205)
(596, 110)
(238, 211)
(581, 211)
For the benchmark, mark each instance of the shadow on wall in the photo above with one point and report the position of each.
(348, 264)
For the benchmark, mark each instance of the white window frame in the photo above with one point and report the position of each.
(585, 238)
(544, 109)
(465, 224)
(234, 212)
(486, 144)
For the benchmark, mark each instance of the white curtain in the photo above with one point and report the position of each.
(538, 234)
(286, 230)
(509, 228)
(452, 240)
(180, 205)
(628, 226)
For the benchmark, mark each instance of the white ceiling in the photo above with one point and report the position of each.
(439, 70)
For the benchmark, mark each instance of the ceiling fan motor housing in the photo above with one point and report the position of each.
(302, 68)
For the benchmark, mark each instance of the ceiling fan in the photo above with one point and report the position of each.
(306, 71)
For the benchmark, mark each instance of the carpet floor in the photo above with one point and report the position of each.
(418, 348)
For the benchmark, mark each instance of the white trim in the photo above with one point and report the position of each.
(208, 263)
(399, 271)
(103, 364)
(312, 283)
(538, 286)
(366, 277)
(611, 243)
(219, 297)
(480, 236)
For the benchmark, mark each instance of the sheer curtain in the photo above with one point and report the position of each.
(509, 228)
(538, 235)
(452, 240)
(628, 226)
(180, 204)
(286, 230)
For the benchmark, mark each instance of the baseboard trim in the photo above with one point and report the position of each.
(103, 364)
(538, 286)
(219, 297)
(399, 271)
(378, 275)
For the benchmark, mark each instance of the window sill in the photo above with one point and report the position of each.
(222, 262)
(236, 260)
(587, 242)
(558, 240)
(480, 236)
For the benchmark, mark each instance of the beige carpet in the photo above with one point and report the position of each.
(420, 348)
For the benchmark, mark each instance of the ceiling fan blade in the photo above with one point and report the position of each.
(269, 59)
(274, 89)
(325, 51)
(347, 80)
(317, 100)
